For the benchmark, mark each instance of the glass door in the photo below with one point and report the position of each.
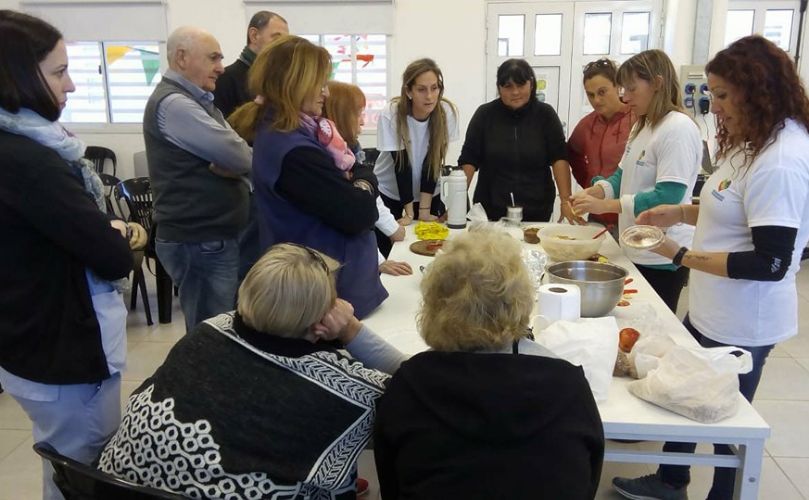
(613, 30)
(540, 33)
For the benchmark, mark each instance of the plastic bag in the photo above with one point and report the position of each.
(591, 343)
(698, 383)
(646, 354)
(477, 217)
(652, 344)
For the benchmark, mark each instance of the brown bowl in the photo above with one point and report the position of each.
(530, 235)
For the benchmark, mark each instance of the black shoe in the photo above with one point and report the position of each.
(649, 487)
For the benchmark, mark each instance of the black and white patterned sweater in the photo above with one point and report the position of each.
(234, 413)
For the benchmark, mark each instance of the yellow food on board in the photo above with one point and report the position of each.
(431, 231)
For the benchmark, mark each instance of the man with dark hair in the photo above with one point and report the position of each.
(231, 88)
(230, 93)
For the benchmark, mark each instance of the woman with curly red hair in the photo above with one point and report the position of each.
(752, 224)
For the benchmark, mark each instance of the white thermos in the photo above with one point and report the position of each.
(453, 194)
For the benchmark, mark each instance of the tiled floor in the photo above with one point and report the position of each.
(782, 399)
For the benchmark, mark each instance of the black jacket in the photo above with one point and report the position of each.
(513, 151)
(469, 425)
(231, 88)
(52, 232)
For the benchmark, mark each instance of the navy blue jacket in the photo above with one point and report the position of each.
(303, 198)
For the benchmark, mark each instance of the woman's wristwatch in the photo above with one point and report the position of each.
(678, 257)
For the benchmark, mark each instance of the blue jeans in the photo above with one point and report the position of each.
(724, 478)
(78, 424)
(206, 275)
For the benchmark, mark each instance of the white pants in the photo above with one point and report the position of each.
(78, 424)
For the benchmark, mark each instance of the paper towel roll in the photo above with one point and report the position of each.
(559, 302)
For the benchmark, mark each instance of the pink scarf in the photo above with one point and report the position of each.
(326, 132)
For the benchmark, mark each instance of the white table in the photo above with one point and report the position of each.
(624, 415)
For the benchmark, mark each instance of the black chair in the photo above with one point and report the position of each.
(109, 181)
(137, 193)
(99, 156)
(78, 481)
(138, 278)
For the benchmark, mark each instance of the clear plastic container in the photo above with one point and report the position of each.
(642, 237)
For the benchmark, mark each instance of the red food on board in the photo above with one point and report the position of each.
(627, 339)
(435, 245)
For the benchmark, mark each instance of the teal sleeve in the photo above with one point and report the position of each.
(614, 180)
(664, 193)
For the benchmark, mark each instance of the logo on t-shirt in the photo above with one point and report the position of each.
(640, 161)
(722, 186)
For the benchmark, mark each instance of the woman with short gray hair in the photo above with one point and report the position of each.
(486, 413)
(250, 404)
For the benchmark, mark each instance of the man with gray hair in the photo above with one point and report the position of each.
(231, 89)
(199, 171)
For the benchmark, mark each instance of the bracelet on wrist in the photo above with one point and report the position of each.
(678, 257)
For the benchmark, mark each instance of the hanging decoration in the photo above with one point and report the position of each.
(150, 60)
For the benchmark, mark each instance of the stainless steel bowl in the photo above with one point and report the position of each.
(601, 284)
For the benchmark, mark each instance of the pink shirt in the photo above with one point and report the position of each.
(596, 146)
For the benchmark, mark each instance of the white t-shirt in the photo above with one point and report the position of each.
(387, 140)
(774, 191)
(671, 152)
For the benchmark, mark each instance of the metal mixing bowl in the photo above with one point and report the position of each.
(601, 284)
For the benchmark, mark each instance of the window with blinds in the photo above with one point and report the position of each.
(363, 61)
(113, 81)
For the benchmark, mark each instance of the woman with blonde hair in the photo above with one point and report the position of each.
(345, 106)
(456, 421)
(659, 166)
(250, 404)
(413, 135)
(307, 191)
(752, 224)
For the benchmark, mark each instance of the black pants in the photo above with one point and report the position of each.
(396, 207)
(667, 284)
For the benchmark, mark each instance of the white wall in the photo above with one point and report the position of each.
(803, 64)
(453, 33)
(678, 31)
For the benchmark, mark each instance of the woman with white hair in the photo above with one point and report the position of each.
(249, 404)
(486, 413)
